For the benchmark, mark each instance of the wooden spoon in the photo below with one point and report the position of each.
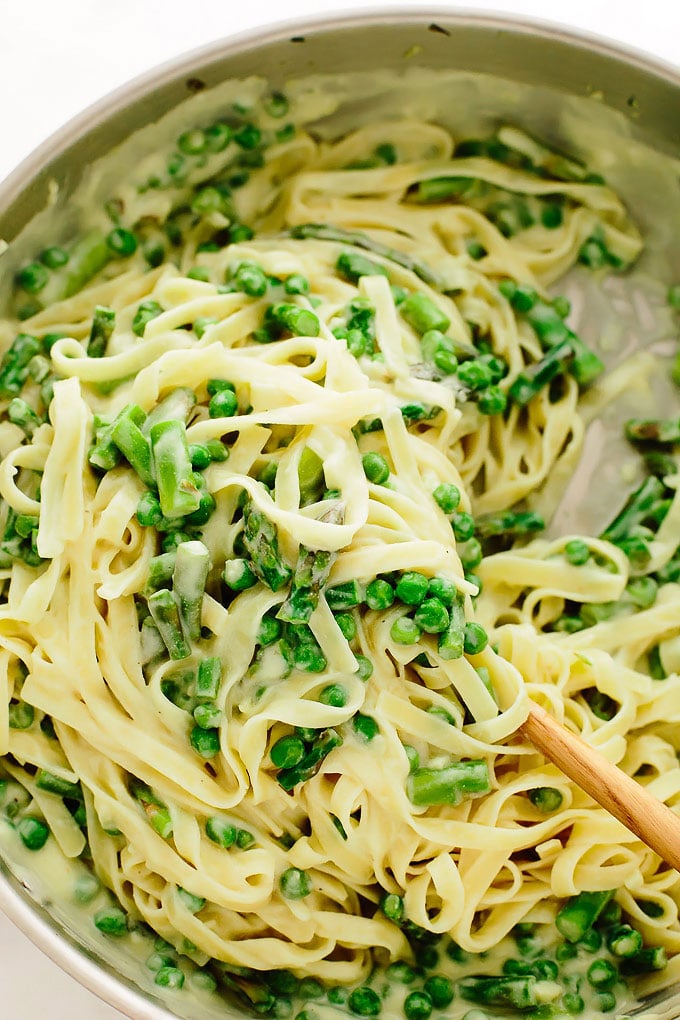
(648, 818)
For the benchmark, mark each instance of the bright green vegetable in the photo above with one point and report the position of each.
(423, 314)
(287, 752)
(14, 365)
(513, 992)
(146, 311)
(580, 913)
(405, 631)
(169, 977)
(177, 490)
(509, 523)
(624, 941)
(176, 406)
(292, 319)
(221, 832)
(165, 612)
(352, 266)
(192, 565)
(427, 787)
(295, 884)
(22, 414)
(321, 747)
(379, 594)
(55, 784)
(418, 1006)
(447, 497)
(376, 468)
(475, 638)
(206, 742)
(334, 695)
(432, 616)
(364, 1002)
(33, 832)
(261, 541)
(648, 960)
(357, 239)
(546, 799)
(132, 443)
(111, 921)
(251, 279)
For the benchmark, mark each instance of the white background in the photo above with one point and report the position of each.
(56, 57)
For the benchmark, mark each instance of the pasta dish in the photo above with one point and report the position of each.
(281, 437)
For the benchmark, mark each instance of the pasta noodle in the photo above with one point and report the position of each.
(353, 367)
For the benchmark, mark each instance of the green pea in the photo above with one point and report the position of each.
(224, 404)
(432, 616)
(573, 1003)
(606, 1002)
(87, 888)
(295, 884)
(200, 456)
(206, 742)
(21, 715)
(217, 137)
(401, 972)
(251, 279)
(602, 975)
(33, 832)
(577, 552)
(54, 257)
(447, 497)
(443, 589)
(111, 921)
(364, 667)
(248, 136)
(379, 594)
(276, 105)
(476, 375)
(244, 839)
(192, 142)
(170, 977)
(149, 512)
(552, 216)
(470, 553)
(405, 631)
(492, 401)
(347, 625)
(376, 468)
(440, 990)
(269, 631)
(417, 1006)
(221, 832)
(334, 695)
(287, 752)
(296, 283)
(463, 526)
(122, 242)
(208, 716)
(33, 277)
(475, 638)
(365, 726)
(364, 1002)
(412, 587)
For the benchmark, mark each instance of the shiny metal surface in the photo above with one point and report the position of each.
(645, 92)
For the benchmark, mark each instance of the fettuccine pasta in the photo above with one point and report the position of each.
(275, 595)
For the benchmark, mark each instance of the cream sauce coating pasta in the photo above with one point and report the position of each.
(74, 628)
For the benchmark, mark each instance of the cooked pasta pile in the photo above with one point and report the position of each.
(274, 590)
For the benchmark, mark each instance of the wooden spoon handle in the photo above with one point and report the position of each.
(650, 819)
